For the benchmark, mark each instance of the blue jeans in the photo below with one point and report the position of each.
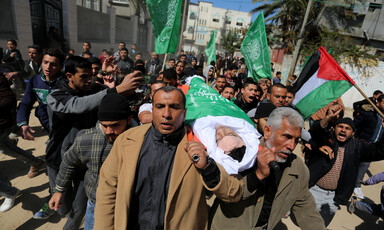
(373, 209)
(324, 203)
(89, 216)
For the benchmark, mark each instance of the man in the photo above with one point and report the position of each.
(157, 189)
(154, 65)
(228, 92)
(290, 97)
(183, 59)
(90, 149)
(38, 89)
(87, 48)
(231, 76)
(86, 54)
(145, 110)
(261, 116)
(97, 77)
(32, 66)
(117, 53)
(133, 49)
(220, 83)
(125, 64)
(171, 64)
(271, 192)
(72, 107)
(277, 94)
(333, 174)
(247, 99)
(277, 79)
(362, 105)
(191, 70)
(180, 71)
(12, 57)
(170, 77)
(138, 56)
(368, 128)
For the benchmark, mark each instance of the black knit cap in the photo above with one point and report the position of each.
(264, 110)
(346, 120)
(114, 107)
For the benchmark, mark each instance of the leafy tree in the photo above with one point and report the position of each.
(231, 40)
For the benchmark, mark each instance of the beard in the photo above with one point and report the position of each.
(279, 159)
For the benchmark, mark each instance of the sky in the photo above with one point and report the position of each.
(241, 5)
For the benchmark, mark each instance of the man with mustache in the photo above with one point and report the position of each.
(90, 149)
(272, 190)
(148, 181)
(333, 167)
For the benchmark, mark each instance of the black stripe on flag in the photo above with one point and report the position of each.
(309, 70)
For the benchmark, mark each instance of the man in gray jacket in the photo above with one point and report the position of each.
(90, 149)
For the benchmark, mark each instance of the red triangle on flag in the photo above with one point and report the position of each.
(330, 70)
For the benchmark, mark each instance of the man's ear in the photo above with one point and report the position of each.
(267, 132)
(242, 90)
(69, 75)
(268, 96)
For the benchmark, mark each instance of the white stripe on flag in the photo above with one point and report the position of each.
(312, 83)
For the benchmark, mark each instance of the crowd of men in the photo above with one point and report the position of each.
(119, 155)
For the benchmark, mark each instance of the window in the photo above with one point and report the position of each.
(96, 5)
(239, 24)
(215, 20)
(190, 30)
(192, 16)
(227, 22)
(88, 4)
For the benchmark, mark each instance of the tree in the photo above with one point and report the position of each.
(231, 40)
(139, 6)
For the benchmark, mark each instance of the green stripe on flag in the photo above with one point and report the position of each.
(203, 101)
(321, 97)
(210, 51)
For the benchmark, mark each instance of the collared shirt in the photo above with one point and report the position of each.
(90, 149)
(153, 175)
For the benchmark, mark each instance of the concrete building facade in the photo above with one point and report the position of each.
(103, 23)
(203, 18)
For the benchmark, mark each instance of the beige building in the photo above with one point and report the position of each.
(203, 18)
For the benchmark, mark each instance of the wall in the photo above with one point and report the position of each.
(92, 25)
(124, 28)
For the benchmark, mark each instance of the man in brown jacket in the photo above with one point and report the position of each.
(271, 190)
(148, 181)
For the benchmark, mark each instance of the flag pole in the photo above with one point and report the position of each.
(165, 59)
(370, 102)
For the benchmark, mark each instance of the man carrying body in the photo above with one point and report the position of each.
(271, 192)
(220, 83)
(90, 149)
(247, 99)
(333, 175)
(148, 189)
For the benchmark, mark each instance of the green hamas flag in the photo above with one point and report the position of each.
(202, 101)
(210, 51)
(165, 16)
(255, 50)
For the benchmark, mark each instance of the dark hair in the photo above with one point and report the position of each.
(248, 82)
(290, 89)
(172, 59)
(220, 76)
(170, 74)
(13, 41)
(238, 153)
(72, 50)
(229, 86)
(278, 72)
(138, 54)
(380, 98)
(232, 67)
(122, 42)
(169, 89)
(37, 48)
(88, 44)
(139, 62)
(183, 55)
(74, 62)
(377, 92)
(179, 62)
(124, 49)
(213, 63)
(87, 53)
(278, 85)
(55, 53)
(104, 50)
(94, 60)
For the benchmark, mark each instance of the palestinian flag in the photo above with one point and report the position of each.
(207, 109)
(321, 81)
